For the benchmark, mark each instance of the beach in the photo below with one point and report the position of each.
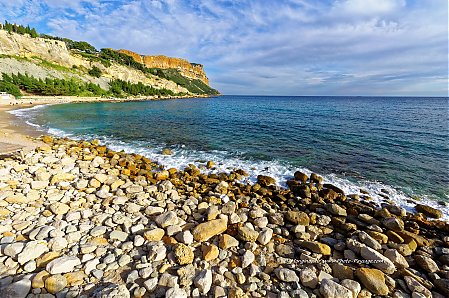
(80, 219)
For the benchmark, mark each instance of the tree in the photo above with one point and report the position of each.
(10, 88)
(95, 72)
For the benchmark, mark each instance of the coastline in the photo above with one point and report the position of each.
(21, 135)
(90, 214)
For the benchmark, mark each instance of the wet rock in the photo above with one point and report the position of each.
(265, 180)
(429, 211)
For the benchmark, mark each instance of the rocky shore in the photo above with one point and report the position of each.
(80, 220)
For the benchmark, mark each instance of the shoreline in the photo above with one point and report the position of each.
(18, 134)
(80, 218)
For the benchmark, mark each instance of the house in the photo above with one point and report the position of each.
(6, 96)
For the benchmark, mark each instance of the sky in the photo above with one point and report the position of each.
(269, 47)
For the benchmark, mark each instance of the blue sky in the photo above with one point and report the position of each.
(282, 47)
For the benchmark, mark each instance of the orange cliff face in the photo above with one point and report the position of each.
(187, 69)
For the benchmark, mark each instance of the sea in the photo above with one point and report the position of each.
(395, 148)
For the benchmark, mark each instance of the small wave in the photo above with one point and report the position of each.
(281, 171)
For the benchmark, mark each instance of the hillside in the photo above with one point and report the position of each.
(46, 57)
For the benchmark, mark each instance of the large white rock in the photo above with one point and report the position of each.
(331, 289)
(62, 265)
(32, 250)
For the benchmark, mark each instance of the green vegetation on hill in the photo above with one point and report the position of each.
(120, 87)
(19, 29)
(70, 87)
(194, 86)
(52, 87)
(10, 88)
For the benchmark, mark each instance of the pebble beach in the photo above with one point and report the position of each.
(78, 219)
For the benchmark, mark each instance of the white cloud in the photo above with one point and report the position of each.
(271, 47)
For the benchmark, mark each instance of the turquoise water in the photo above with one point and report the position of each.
(399, 145)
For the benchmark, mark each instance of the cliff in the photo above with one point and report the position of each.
(187, 69)
(43, 57)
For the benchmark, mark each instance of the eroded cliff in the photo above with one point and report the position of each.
(52, 58)
(187, 69)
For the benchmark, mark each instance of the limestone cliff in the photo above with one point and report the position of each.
(187, 69)
(28, 51)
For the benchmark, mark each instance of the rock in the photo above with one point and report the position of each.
(286, 275)
(226, 241)
(265, 180)
(207, 230)
(175, 293)
(370, 241)
(118, 235)
(113, 291)
(210, 252)
(167, 151)
(381, 262)
(331, 289)
(308, 278)
(265, 236)
(154, 234)
(185, 237)
(336, 209)
(353, 286)
(62, 177)
(426, 263)
(203, 281)
(162, 175)
(38, 281)
(222, 187)
(39, 184)
(13, 249)
(151, 284)
(393, 223)
(59, 208)
(32, 250)
(416, 286)
(299, 176)
(398, 260)
(342, 271)
(373, 280)
(75, 278)
(429, 211)
(442, 285)
(317, 247)
(18, 289)
(167, 219)
(55, 283)
(247, 234)
(63, 265)
(247, 259)
(183, 254)
(297, 217)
